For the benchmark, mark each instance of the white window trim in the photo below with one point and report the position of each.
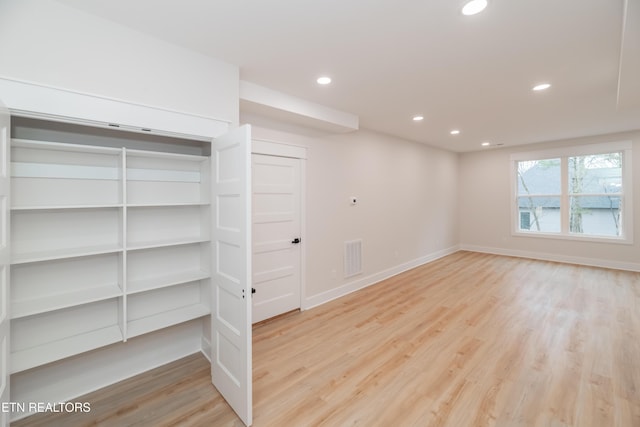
(627, 213)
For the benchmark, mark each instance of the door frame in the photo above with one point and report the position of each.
(5, 263)
(280, 149)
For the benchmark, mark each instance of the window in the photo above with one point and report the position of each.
(574, 192)
(525, 220)
(539, 194)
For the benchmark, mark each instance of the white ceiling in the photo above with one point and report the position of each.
(392, 59)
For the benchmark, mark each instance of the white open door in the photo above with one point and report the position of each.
(231, 275)
(4, 260)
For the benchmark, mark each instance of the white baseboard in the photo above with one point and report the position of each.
(617, 265)
(330, 295)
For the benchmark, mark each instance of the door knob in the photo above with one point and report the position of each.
(296, 241)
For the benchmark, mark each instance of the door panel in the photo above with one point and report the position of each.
(5, 150)
(231, 252)
(276, 214)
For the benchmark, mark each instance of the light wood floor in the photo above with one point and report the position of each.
(468, 340)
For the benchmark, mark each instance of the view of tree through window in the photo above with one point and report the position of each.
(572, 195)
(539, 191)
(595, 187)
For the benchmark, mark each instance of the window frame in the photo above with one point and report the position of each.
(564, 153)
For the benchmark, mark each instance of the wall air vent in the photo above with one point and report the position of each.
(352, 258)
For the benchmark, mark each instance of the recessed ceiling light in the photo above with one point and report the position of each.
(541, 86)
(473, 7)
(418, 118)
(454, 132)
(486, 144)
(324, 80)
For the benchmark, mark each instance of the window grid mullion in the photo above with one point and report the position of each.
(564, 198)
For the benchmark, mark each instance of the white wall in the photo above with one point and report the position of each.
(485, 210)
(406, 212)
(42, 41)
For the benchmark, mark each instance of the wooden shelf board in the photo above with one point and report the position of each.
(166, 205)
(23, 258)
(54, 170)
(168, 318)
(143, 285)
(107, 206)
(164, 155)
(46, 303)
(61, 146)
(50, 352)
(136, 246)
(65, 207)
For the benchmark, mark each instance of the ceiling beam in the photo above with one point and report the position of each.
(279, 106)
(629, 71)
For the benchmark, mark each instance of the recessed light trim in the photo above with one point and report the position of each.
(418, 118)
(455, 132)
(473, 7)
(541, 86)
(324, 80)
(486, 144)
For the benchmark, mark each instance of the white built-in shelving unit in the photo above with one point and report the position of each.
(107, 244)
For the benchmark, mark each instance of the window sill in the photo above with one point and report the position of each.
(574, 237)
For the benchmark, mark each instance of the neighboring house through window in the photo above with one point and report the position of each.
(574, 192)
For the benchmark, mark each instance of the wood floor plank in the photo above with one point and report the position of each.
(468, 340)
